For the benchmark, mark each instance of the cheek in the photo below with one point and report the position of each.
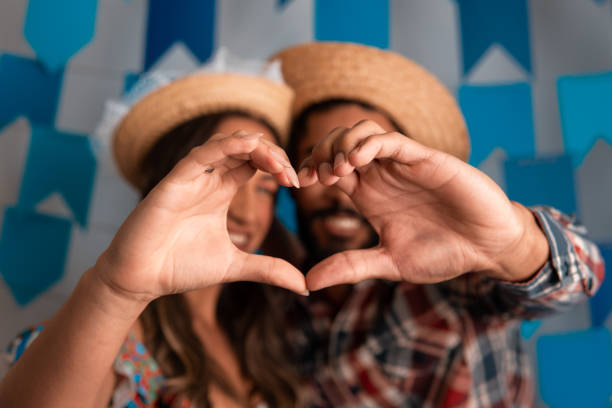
(265, 213)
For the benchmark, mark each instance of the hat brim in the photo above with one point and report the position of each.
(191, 97)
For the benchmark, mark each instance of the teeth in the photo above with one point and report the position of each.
(238, 239)
(344, 222)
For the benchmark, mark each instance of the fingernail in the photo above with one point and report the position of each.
(305, 293)
(325, 169)
(294, 178)
(279, 157)
(339, 160)
(304, 172)
(252, 136)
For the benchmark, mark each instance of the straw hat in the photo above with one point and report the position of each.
(416, 101)
(188, 98)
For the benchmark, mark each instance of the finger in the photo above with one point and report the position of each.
(289, 173)
(200, 159)
(241, 132)
(347, 141)
(326, 174)
(352, 267)
(393, 145)
(272, 159)
(307, 175)
(279, 151)
(323, 157)
(240, 174)
(348, 183)
(268, 270)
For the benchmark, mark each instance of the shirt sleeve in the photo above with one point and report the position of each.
(574, 272)
(139, 378)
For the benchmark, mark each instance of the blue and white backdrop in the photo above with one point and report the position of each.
(533, 78)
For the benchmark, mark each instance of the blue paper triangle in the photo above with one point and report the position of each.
(361, 21)
(585, 104)
(575, 369)
(189, 21)
(542, 181)
(498, 116)
(601, 303)
(486, 22)
(58, 29)
(33, 250)
(62, 163)
(27, 90)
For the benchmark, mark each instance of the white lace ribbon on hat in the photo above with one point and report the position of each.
(222, 62)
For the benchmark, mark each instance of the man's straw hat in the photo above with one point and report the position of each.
(412, 97)
(188, 98)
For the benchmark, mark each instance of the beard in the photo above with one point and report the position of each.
(315, 251)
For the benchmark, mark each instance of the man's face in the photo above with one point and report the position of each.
(328, 220)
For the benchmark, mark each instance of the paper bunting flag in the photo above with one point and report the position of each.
(601, 303)
(59, 163)
(575, 369)
(585, 104)
(503, 22)
(58, 29)
(361, 21)
(498, 116)
(33, 250)
(20, 79)
(189, 21)
(544, 180)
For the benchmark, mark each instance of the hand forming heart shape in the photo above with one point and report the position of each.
(436, 216)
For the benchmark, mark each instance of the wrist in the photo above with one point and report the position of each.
(110, 298)
(528, 254)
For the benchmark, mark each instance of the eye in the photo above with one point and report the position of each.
(268, 191)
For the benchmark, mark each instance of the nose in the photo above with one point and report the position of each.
(242, 207)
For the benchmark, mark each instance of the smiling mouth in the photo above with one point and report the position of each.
(342, 225)
(239, 239)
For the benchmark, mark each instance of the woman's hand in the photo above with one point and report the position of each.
(176, 239)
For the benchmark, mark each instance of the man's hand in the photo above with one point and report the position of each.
(436, 216)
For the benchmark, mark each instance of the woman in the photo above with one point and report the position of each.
(156, 322)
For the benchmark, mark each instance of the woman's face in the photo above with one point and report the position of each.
(252, 209)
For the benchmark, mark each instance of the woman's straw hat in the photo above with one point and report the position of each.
(412, 97)
(188, 98)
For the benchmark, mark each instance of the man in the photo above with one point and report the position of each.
(427, 267)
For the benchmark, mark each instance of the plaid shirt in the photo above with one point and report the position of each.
(444, 345)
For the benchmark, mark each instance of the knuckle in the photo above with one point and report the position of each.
(369, 124)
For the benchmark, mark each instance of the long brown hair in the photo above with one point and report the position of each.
(244, 310)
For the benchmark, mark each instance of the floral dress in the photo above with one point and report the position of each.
(140, 380)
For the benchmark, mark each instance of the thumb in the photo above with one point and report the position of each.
(352, 267)
(268, 270)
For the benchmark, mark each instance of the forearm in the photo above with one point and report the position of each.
(71, 360)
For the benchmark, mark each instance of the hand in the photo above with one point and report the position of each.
(176, 239)
(436, 216)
